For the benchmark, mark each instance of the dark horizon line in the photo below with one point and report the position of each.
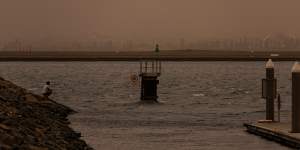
(164, 55)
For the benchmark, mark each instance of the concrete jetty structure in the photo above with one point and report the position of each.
(150, 70)
(275, 131)
(287, 133)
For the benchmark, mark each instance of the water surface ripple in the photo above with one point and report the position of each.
(203, 104)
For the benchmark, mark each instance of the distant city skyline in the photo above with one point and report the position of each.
(271, 41)
(69, 24)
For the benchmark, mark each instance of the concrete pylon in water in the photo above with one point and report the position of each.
(150, 70)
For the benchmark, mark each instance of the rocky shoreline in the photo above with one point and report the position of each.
(28, 121)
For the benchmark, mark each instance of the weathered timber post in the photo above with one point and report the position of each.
(269, 90)
(296, 98)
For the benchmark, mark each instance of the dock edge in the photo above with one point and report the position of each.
(272, 135)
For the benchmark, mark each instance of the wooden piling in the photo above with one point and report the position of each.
(296, 98)
(270, 87)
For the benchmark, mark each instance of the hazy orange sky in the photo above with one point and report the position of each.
(148, 19)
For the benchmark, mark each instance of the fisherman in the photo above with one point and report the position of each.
(46, 90)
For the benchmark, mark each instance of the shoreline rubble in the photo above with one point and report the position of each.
(28, 121)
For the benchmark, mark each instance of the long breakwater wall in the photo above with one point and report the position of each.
(165, 55)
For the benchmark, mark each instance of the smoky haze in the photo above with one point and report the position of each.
(145, 19)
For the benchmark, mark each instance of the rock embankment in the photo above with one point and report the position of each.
(28, 121)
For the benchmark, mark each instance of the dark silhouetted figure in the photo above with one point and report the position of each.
(156, 48)
(46, 90)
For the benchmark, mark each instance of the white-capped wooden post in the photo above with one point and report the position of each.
(269, 90)
(296, 98)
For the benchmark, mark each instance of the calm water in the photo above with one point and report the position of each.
(203, 104)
